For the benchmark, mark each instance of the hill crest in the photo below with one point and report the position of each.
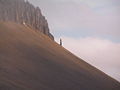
(29, 60)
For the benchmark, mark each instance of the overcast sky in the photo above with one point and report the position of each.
(89, 28)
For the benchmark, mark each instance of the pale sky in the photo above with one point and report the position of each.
(89, 28)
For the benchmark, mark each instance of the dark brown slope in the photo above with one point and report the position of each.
(29, 60)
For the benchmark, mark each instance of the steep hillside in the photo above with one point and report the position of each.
(23, 12)
(29, 60)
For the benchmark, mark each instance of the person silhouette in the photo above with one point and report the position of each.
(60, 42)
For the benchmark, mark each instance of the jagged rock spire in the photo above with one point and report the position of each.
(21, 11)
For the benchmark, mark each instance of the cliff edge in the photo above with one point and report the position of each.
(23, 12)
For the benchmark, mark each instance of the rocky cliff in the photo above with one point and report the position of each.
(21, 11)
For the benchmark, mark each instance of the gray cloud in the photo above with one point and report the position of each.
(68, 15)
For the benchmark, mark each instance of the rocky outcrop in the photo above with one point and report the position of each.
(21, 11)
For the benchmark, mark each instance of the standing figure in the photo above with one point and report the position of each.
(60, 42)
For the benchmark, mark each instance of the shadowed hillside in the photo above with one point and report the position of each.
(29, 60)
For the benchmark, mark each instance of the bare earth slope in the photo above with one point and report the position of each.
(29, 60)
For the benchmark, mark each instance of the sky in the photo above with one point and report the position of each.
(89, 28)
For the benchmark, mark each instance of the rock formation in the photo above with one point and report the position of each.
(21, 11)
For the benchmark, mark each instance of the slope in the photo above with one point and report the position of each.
(29, 60)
